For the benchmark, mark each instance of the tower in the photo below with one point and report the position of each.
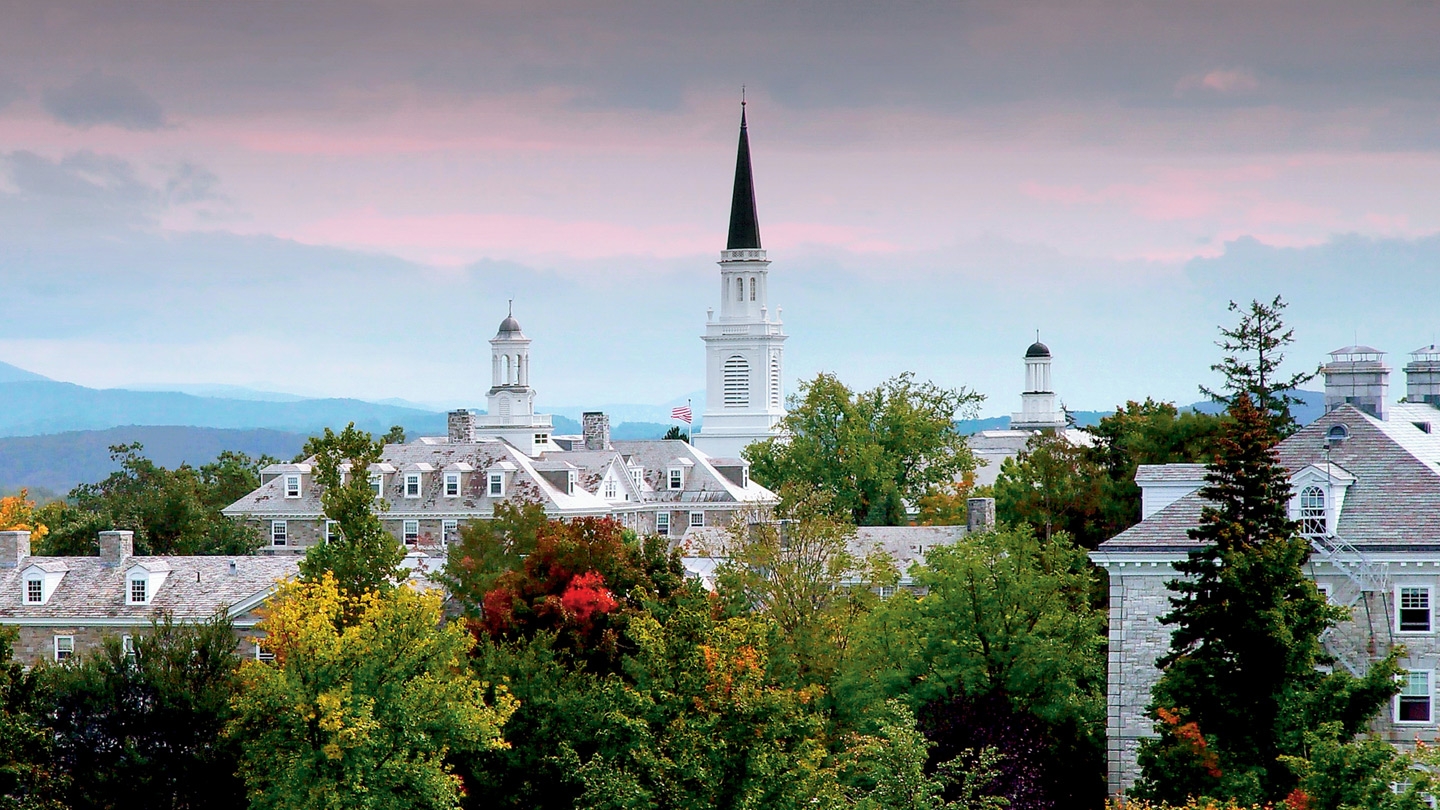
(510, 402)
(744, 346)
(1357, 375)
(1037, 401)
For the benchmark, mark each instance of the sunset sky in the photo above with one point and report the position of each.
(338, 198)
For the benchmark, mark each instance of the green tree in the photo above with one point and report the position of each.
(675, 433)
(364, 557)
(1252, 364)
(1146, 432)
(889, 767)
(873, 452)
(1241, 686)
(30, 779)
(368, 695)
(143, 728)
(1055, 486)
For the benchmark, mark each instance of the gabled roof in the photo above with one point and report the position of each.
(703, 484)
(1394, 501)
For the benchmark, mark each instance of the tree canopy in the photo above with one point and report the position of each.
(363, 557)
(1254, 354)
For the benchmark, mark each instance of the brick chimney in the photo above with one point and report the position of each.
(596, 426)
(14, 547)
(462, 427)
(116, 547)
(979, 514)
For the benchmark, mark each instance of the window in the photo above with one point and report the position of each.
(412, 485)
(452, 485)
(1312, 512)
(332, 531)
(611, 491)
(1414, 616)
(411, 530)
(1412, 705)
(262, 654)
(542, 438)
(127, 645)
(637, 474)
(1324, 592)
(662, 523)
(34, 591)
(450, 531)
(64, 647)
(497, 485)
(279, 533)
(775, 380)
(737, 382)
(697, 520)
(377, 480)
(739, 289)
(292, 486)
(138, 587)
(677, 478)
(752, 288)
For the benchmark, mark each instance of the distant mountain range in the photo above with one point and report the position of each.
(1311, 407)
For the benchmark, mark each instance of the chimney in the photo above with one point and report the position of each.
(462, 427)
(596, 426)
(1422, 376)
(14, 547)
(116, 547)
(1357, 375)
(979, 514)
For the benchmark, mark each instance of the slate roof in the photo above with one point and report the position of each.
(1163, 473)
(1392, 504)
(703, 483)
(195, 588)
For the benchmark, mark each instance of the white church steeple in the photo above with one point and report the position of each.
(510, 402)
(1037, 401)
(744, 354)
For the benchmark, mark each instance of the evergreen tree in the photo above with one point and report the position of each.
(29, 776)
(364, 557)
(1253, 364)
(1240, 687)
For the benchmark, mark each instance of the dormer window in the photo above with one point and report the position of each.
(677, 477)
(412, 485)
(292, 486)
(377, 482)
(34, 591)
(39, 581)
(497, 485)
(139, 590)
(1312, 512)
(452, 485)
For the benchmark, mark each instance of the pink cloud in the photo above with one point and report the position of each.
(1224, 81)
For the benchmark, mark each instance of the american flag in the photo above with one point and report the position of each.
(682, 413)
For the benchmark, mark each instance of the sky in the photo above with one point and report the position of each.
(339, 198)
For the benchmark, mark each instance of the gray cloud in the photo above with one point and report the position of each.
(96, 98)
(9, 92)
(191, 183)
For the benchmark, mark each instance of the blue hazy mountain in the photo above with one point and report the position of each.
(9, 374)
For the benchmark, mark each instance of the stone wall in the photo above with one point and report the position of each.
(1138, 598)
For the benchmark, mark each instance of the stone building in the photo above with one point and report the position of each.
(63, 606)
(1365, 481)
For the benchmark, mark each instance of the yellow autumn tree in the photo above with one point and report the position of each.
(17, 513)
(366, 697)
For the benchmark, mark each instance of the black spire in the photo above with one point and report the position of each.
(744, 222)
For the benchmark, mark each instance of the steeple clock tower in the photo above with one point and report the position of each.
(744, 346)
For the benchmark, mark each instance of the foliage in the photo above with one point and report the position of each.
(1339, 773)
(18, 513)
(144, 729)
(1252, 365)
(1146, 432)
(1034, 771)
(1055, 486)
(891, 766)
(29, 777)
(947, 504)
(676, 433)
(364, 557)
(367, 695)
(170, 511)
(874, 451)
(1241, 687)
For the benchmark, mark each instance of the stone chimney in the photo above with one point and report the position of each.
(14, 547)
(1357, 375)
(979, 514)
(116, 547)
(462, 427)
(1422, 376)
(596, 427)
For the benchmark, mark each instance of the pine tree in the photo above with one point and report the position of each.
(1253, 364)
(1240, 684)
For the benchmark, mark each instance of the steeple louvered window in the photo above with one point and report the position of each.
(752, 288)
(775, 381)
(737, 382)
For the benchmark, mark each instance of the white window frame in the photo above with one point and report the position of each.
(452, 485)
(1429, 608)
(281, 537)
(377, 483)
(127, 645)
(414, 485)
(675, 476)
(34, 587)
(448, 528)
(143, 589)
(495, 485)
(292, 486)
(332, 530)
(263, 655)
(1313, 520)
(612, 488)
(542, 438)
(405, 532)
(662, 523)
(697, 520)
(637, 474)
(68, 647)
(1430, 698)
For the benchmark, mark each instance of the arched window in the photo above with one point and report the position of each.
(1312, 512)
(737, 382)
(509, 373)
(739, 289)
(752, 288)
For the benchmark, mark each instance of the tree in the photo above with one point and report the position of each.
(1241, 687)
(143, 727)
(1146, 432)
(368, 695)
(364, 557)
(1005, 615)
(874, 452)
(29, 776)
(675, 433)
(1252, 365)
(18, 513)
(890, 766)
(1054, 485)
